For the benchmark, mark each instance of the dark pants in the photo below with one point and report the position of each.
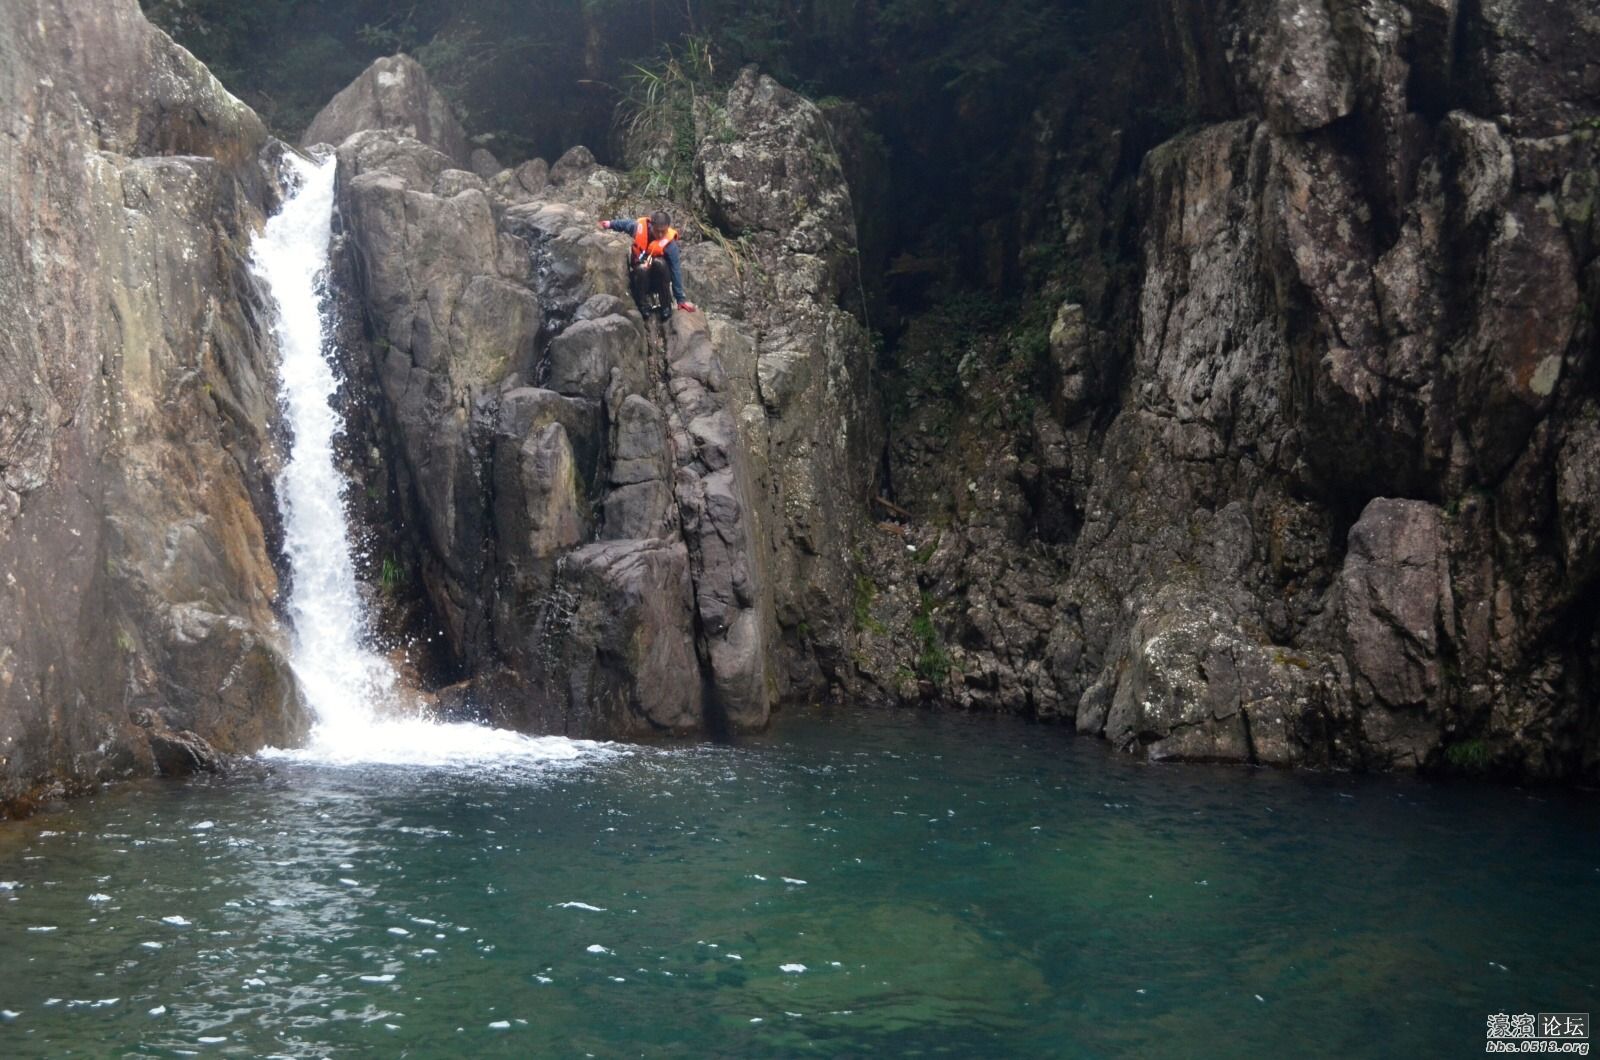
(652, 288)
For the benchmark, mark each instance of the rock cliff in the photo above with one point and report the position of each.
(136, 398)
(1303, 478)
(1313, 484)
(611, 528)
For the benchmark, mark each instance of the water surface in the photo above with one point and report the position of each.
(849, 884)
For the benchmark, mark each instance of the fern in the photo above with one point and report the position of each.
(658, 108)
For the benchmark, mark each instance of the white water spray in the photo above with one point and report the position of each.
(353, 691)
(343, 680)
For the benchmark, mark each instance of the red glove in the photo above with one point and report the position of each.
(687, 307)
(605, 224)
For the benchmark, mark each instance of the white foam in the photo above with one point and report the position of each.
(792, 969)
(595, 947)
(43, 928)
(432, 744)
(99, 898)
(203, 826)
(159, 1010)
(792, 880)
(177, 921)
(581, 905)
(500, 1025)
(386, 978)
(399, 931)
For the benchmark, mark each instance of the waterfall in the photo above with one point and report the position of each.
(343, 679)
(353, 692)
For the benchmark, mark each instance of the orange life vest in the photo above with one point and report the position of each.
(643, 244)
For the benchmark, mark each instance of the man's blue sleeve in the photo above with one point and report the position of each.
(677, 272)
(623, 224)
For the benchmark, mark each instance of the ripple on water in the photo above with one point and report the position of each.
(972, 936)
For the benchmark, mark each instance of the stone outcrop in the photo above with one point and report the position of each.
(394, 93)
(1312, 486)
(136, 398)
(616, 528)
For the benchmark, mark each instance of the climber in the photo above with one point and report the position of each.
(651, 259)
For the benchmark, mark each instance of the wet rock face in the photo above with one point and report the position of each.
(1397, 606)
(1578, 495)
(136, 397)
(614, 525)
(618, 639)
(1309, 477)
(1330, 453)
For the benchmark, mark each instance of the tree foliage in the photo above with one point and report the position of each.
(515, 64)
(949, 85)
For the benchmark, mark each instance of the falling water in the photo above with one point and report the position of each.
(343, 679)
(353, 691)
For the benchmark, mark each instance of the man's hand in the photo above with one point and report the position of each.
(605, 224)
(687, 307)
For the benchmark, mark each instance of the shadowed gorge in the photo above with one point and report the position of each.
(1225, 393)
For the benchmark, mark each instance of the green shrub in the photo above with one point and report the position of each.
(391, 576)
(1469, 755)
(658, 107)
(932, 664)
(866, 592)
